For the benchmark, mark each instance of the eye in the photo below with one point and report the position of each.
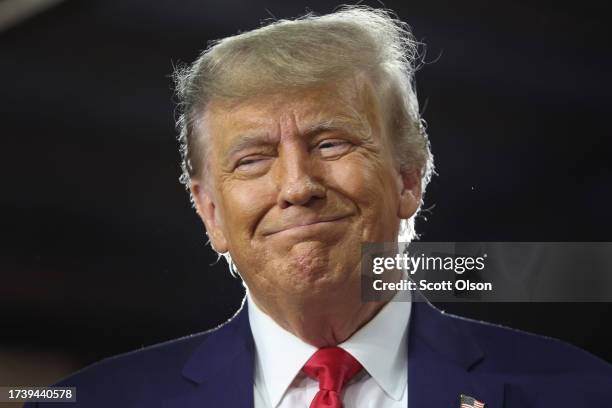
(247, 161)
(251, 163)
(333, 147)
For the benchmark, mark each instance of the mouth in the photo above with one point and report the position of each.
(306, 225)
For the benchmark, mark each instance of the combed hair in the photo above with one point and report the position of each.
(302, 53)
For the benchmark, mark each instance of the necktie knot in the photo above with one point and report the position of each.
(332, 367)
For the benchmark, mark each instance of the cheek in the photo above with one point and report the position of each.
(366, 181)
(245, 203)
(370, 185)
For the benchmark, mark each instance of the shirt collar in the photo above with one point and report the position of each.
(380, 347)
(280, 355)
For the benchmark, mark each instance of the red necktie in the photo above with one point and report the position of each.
(333, 368)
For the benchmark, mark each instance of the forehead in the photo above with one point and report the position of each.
(350, 105)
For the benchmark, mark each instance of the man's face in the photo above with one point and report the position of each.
(297, 183)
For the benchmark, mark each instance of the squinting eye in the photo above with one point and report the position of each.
(251, 163)
(329, 144)
(333, 147)
(246, 162)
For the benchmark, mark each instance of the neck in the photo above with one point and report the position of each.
(322, 320)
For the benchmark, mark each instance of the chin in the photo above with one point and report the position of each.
(317, 278)
(308, 263)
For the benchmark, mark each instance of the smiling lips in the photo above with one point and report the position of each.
(304, 223)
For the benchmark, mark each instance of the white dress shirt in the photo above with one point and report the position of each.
(380, 347)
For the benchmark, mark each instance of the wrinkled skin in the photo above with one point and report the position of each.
(297, 182)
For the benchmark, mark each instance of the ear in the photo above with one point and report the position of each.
(409, 183)
(209, 213)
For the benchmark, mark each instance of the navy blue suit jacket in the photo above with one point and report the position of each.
(447, 356)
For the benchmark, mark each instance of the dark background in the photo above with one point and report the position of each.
(101, 252)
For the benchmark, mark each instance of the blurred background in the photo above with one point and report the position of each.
(101, 251)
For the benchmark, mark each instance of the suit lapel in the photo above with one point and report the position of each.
(221, 368)
(443, 358)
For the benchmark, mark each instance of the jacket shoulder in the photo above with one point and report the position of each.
(539, 371)
(514, 350)
(146, 375)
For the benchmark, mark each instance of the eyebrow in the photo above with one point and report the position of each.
(352, 125)
(249, 140)
(326, 126)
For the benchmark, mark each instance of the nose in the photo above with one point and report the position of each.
(298, 180)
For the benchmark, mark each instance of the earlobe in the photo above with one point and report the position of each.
(208, 212)
(410, 193)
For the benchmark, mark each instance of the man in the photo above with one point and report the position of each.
(301, 141)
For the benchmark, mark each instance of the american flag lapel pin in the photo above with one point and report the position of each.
(470, 402)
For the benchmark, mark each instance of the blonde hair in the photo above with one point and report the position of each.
(305, 52)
